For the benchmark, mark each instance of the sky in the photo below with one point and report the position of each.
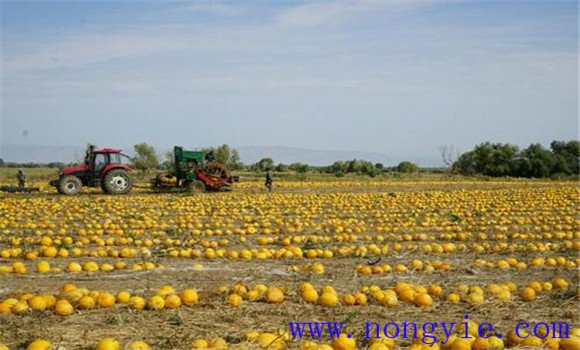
(395, 77)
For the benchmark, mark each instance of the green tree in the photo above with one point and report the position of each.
(338, 167)
(225, 155)
(234, 161)
(566, 157)
(497, 159)
(366, 168)
(535, 161)
(169, 161)
(491, 159)
(145, 157)
(362, 167)
(264, 164)
(298, 167)
(407, 167)
(465, 164)
(281, 168)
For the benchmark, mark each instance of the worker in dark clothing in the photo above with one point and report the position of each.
(209, 157)
(21, 178)
(269, 179)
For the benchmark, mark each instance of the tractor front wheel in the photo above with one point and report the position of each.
(117, 181)
(69, 185)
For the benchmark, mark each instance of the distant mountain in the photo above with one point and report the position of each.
(248, 155)
(41, 154)
(287, 155)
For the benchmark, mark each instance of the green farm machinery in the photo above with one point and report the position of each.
(196, 172)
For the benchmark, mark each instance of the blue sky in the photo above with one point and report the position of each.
(396, 77)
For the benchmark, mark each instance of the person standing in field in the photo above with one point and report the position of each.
(21, 178)
(269, 179)
(210, 157)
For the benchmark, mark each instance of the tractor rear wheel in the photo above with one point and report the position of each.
(69, 185)
(195, 186)
(117, 181)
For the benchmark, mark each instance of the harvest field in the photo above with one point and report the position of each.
(219, 270)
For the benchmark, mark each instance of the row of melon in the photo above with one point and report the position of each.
(72, 298)
(159, 238)
(44, 267)
(423, 297)
(290, 252)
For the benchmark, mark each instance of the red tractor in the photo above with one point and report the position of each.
(101, 168)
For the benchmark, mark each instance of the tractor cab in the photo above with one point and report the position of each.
(99, 161)
(102, 168)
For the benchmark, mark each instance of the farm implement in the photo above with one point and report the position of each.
(194, 172)
(15, 189)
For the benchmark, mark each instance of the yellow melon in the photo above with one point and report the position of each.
(423, 301)
(571, 343)
(137, 345)
(172, 301)
(86, 303)
(309, 295)
(123, 297)
(156, 302)
(108, 344)
(63, 308)
(344, 342)
(348, 300)
(274, 295)
(217, 343)
(39, 344)
(271, 341)
(137, 303)
(189, 297)
(37, 303)
(453, 298)
(328, 299)
(199, 344)
(235, 300)
(528, 294)
(106, 300)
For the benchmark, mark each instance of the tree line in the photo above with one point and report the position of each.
(338, 168)
(535, 161)
(562, 158)
(146, 159)
(487, 159)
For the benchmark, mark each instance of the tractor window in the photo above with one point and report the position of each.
(100, 161)
(115, 158)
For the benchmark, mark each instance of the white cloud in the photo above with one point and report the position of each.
(323, 13)
(217, 8)
(336, 12)
(84, 49)
(90, 49)
(36, 88)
